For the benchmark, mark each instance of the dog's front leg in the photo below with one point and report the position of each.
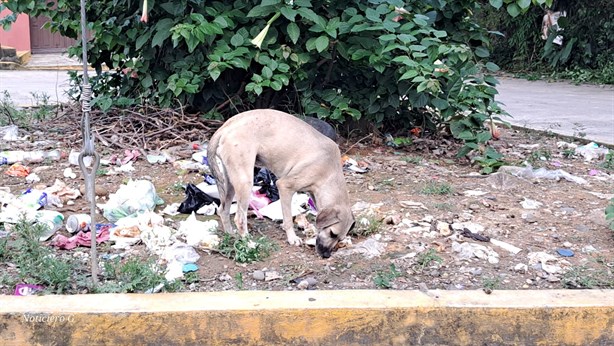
(285, 197)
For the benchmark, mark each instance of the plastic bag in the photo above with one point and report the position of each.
(266, 180)
(195, 199)
(133, 198)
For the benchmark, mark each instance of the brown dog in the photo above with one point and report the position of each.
(302, 159)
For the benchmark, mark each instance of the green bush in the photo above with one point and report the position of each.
(422, 64)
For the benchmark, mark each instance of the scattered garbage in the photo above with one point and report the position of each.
(199, 233)
(509, 247)
(15, 156)
(369, 248)
(27, 289)
(9, 133)
(33, 199)
(60, 193)
(349, 164)
(80, 239)
(195, 199)
(17, 170)
(541, 173)
(413, 205)
(73, 158)
(189, 267)
(266, 275)
(52, 220)
(530, 204)
(266, 180)
(591, 151)
(475, 236)
(153, 159)
(135, 197)
(78, 222)
(176, 256)
(542, 261)
(565, 252)
(299, 205)
(32, 178)
(470, 250)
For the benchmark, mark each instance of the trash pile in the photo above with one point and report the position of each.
(130, 215)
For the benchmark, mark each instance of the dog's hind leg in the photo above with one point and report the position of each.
(242, 182)
(226, 191)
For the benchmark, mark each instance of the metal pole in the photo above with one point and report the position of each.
(89, 174)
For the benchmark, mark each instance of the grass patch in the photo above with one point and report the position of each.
(416, 160)
(428, 257)
(491, 283)
(437, 188)
(133, 275)
(585, 277)
(366, 226)
(385, 278)
(246, 249)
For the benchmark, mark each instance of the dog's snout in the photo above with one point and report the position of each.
(324, 251)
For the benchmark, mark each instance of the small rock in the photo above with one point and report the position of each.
(529, 217)
(567, 244)
(258, 275)
(392, 219)
(224, 277)
(530, 204)
(474, 206)
(100, 191)
(423, 287)
(443, 228)
(552, 278)
(521, 268)
(307, 283)
(588, 249)
(582, 228)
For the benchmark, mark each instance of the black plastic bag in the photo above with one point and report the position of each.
(266, 180)
(195, 199)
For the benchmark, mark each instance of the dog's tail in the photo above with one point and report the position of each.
(217, 166)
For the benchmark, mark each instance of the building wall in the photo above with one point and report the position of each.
(18, 36)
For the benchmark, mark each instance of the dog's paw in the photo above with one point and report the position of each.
(295, 240)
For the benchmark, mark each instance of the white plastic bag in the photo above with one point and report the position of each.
(133, 198)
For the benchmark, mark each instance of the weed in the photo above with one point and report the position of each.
(539, 155)
(12, 114)
(191, 277)
(491, 283)
(246, 249)
(437, 188)
(444, 206)
(35, 262)
(609, 214)
(569, 153)
(101, 172)
(134, 275)
(416, 160)
(42, 109)
(425, 258)
(366, 226)
(585, 277)
(579, 130)
(384, 278)
(239, 280)
(178, 186)
(608, 162)
(387, 182)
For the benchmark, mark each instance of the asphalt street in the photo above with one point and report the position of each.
(575, 110)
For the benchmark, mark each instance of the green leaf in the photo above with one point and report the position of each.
(439, 103)
(513, 10)
(237, 40)
(409, 74)
(142, 40)
(482, 52)
(267, 73)
(294, 32)
(496, 3)
(524, 4)
(261, 11)
(492, 67)
(163, 31)
(484, 136)
(321, 43)
(289, 13)
(269, 2)
(276, 85)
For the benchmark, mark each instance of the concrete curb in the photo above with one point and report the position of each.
(354, 317)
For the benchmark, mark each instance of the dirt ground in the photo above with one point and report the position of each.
(428, 215)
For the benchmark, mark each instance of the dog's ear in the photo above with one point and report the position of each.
(327, 218)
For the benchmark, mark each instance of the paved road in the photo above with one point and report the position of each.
(560, 107)
(21, 84)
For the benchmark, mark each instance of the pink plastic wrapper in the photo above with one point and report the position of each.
(27, 289)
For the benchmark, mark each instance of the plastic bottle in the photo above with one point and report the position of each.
(33, 198)
(12, 156)
(52, 219)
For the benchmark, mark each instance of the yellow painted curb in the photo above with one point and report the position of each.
(353, 317)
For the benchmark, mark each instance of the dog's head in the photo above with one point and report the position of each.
(333, 225)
